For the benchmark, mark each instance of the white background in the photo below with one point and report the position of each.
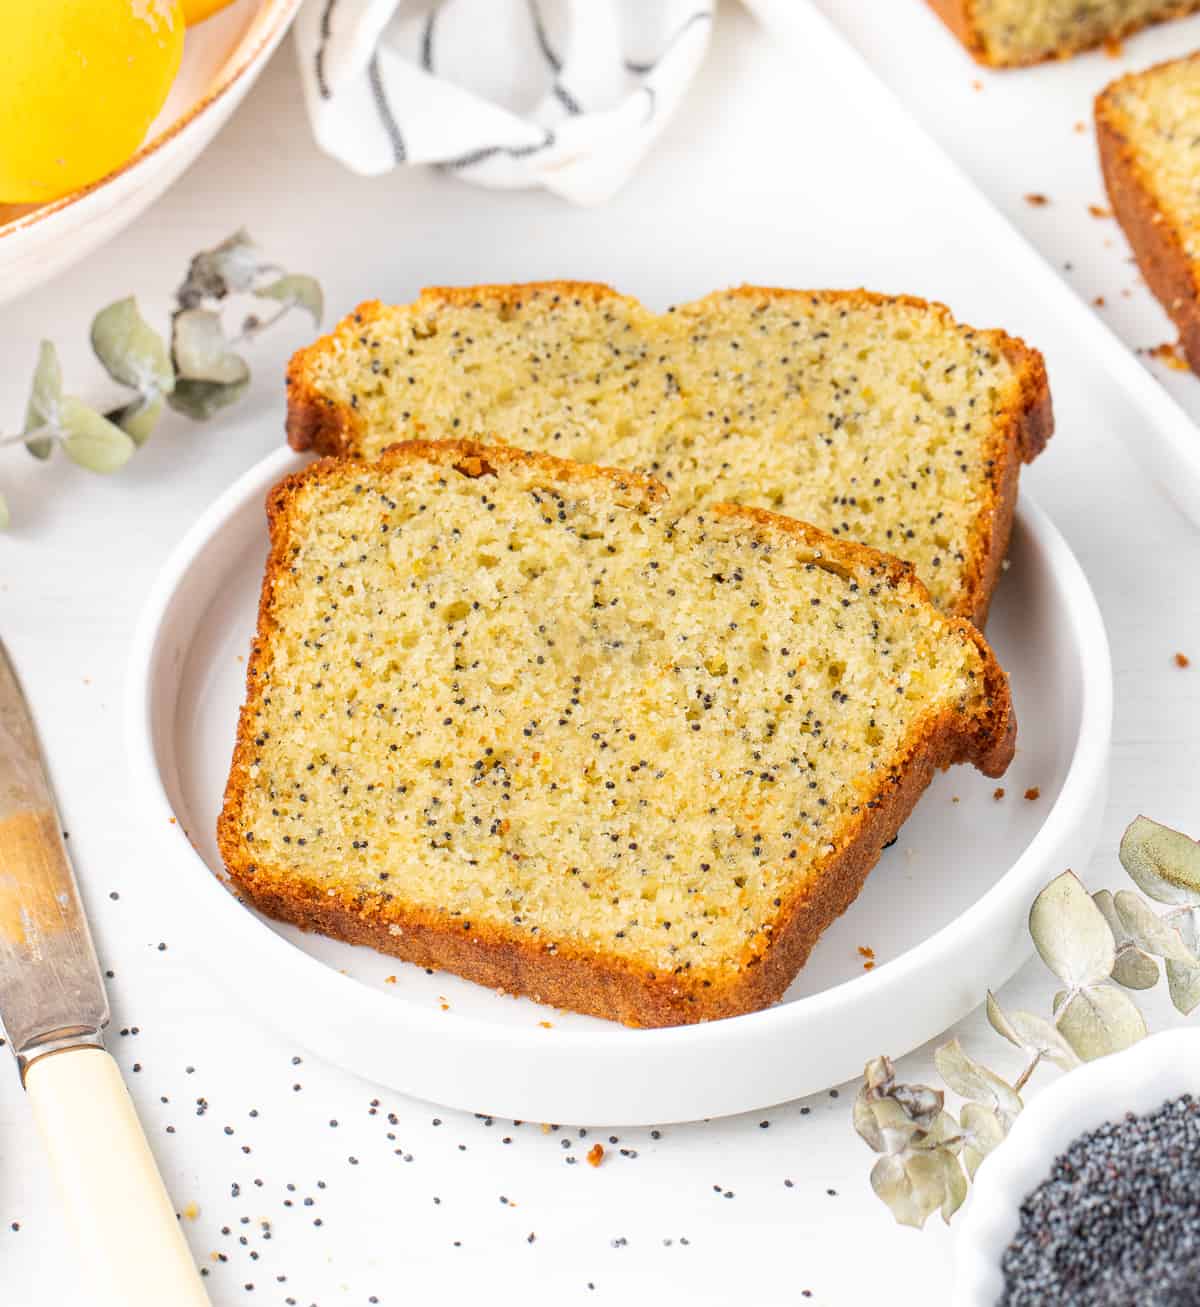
(218, 1093)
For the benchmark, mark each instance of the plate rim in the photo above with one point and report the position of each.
(1084, 778)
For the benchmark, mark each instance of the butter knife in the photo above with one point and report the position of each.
(54, 1008)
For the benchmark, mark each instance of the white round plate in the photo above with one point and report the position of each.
(944, 912)
(221, 58)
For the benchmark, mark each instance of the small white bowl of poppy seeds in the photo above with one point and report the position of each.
(1093, 1200)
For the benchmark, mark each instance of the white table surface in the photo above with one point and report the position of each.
(304, 1184)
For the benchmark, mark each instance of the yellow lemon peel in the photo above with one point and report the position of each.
(80, 91)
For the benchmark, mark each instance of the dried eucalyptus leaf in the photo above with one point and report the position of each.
(920, 1102)
(5, 517)
(1070, 933)
(887, 1115)
(213, 274)
(139, 417)
(47, 386)
(44, 398)
(1162, 862)
(884, 1124)
(943, 1132)
(201, 351)
(90, 440)
(866, 1123)
(1150, 932)
(955, 1183)
(1101, 1019)
(131, 351)
(892, 1186)
(1133, 968)
(1103, 899)
(935, 1180)
(200, 400)
(299, 291)
(879, 1074)
(967, 1077)
(1183, 982)
(913, 1186)
(1031, 1033)
(982, 1130)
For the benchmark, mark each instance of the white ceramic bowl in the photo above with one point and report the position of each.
(944, 911)
(221, 58)
(1140, 1079)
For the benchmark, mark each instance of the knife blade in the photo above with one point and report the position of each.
(54, 1008)
(51, 992)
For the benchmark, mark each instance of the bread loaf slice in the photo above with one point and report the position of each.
(877, 419)
(540, 725)
(1010, 33)
(1147, 128)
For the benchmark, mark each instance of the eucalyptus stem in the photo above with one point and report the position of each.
(248, 332)
(24, 438)
(1081, 937)
(193, 369)
(1023, 1079)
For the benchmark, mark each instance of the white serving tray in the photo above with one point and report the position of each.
(1029, 131)
(864, 201)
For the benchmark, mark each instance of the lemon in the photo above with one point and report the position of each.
(83, 80)
(196, 11)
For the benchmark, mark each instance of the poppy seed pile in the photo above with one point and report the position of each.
(1117, 1220)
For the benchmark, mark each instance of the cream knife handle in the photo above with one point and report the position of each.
(132, 1248)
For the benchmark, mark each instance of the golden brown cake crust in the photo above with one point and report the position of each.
(1153, 237)
(959, 17)
(315, 422)
(562, 975)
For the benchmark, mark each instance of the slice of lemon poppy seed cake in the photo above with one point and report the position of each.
(1148, 133)
(876, 418)
(541, 725)
(1013, 33)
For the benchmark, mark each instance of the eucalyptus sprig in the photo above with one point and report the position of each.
(1087, 941)
(197, 374)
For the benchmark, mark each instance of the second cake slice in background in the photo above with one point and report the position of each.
(876, 418)
(1012, 33)
(1148, 131)
(540, 725)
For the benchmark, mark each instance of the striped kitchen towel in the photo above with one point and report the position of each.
(566, 94)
